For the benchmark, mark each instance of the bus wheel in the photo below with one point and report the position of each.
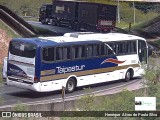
(128, 76)
(71, 85)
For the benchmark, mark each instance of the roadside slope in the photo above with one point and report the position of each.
(149, 29)
(6, 34)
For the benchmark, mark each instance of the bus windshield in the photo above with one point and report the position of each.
(22, 49)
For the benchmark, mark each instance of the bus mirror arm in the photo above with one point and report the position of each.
(110, 48)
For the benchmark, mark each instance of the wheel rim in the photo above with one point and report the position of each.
(70, 86)
(128, 76)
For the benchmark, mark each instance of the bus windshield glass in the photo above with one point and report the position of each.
(22, 49)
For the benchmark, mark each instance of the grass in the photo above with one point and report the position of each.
(150, 33)
(9, 31)
(40, 31)
(1, 73)
(31, 19)
(122, 25)
(147, 23)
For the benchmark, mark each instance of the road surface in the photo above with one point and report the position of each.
(12, 95)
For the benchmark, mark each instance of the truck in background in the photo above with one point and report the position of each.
(81, 15)
(93, 16)
(65, 13)
(45, 13)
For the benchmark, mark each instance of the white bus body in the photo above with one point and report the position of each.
(73, 60)
(4, 68)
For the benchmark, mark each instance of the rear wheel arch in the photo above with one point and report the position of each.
(71, 84)
(129, 74)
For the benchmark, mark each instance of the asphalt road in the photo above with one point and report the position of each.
(12, 95)
(59, 30)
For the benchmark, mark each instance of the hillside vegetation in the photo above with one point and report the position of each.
(24, 7)
(10, 33)
(149, 29)
(6, 34)
(144, 11)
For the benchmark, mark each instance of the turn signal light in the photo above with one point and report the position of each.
(35, 79)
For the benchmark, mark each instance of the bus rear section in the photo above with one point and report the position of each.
(4, 68)
(21, 65)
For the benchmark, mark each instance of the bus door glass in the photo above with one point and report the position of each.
(142, 51)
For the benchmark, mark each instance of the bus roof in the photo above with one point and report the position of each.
(54, 41)
(79, 38)
(103, 36)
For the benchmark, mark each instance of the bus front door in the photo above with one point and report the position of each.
(142, 52)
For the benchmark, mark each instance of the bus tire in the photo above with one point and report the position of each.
(71, 85)
(129, 75)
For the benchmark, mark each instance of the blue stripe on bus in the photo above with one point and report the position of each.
(76, 65)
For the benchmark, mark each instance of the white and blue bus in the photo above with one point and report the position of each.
(75, 59)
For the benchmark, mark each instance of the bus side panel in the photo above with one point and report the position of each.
(131, 61)
(87, 71)
(93, 79)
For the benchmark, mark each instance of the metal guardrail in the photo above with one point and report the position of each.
(16, 22)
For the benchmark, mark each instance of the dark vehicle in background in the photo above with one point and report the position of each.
(93, 16)
(45, 13)
(82, 15)
(64, 13)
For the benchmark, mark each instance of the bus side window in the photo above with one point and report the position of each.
(81, 51)
(48, 54)
(103, 49)
(109, 51)
(131, 47)
(59, 53)
(121, 47)
(89, 51)
(96, 50)
(115, 47)
(78, 52)
(73, 50)
(128, 47)
(66, 53)
(93, 50)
